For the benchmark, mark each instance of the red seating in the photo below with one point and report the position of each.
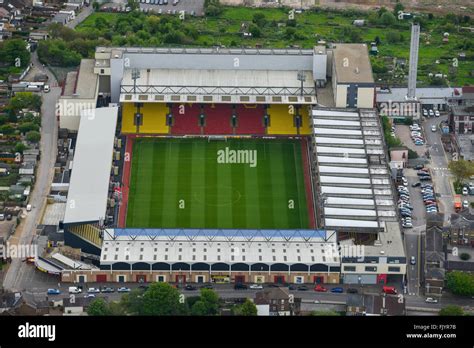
(218, 119)
(187, 122)
(250, 119)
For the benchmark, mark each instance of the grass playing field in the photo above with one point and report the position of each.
(188, 183)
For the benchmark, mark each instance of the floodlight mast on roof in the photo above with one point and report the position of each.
(302, 78)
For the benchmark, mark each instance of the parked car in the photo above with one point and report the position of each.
(123, 289)
(465, 191)
(256, 286)
(190, 287)
(418, 167)
(93, 290)
(107, 289)
(434, 128)
(431, 300)
(74, 290)
(389, 290)
(352, 291)
(240, 286)
(465, 204)
(337, 290)
(302, 288)
(320, 288)
(89, 296)
(53, 292)
(431, 112)
(437, 114)
(416, 184)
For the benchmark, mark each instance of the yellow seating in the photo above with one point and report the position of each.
(282, 120)
(154, 118)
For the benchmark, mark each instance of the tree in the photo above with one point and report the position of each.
(199, 309)
(161, 299)
(398, 7)
(259, 19)
(20, 147)
(7, 129)
(33, 136)
(98, 307)
(210, 299)
(96, 6)
(255, 30)
(14, 53)
(460, 283)
(28, 126)
(388, 19)
(25, 100)
(451, 310)
(248, 308)
(461, 169)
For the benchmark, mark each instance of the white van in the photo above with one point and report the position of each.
(74, 290)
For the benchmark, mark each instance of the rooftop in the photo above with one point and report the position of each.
(89, 186)
(352, 63)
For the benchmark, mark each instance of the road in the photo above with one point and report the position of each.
(439, 166)
(25, 232)
(226, 291)
(86, 11)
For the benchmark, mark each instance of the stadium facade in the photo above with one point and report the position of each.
(270, 93)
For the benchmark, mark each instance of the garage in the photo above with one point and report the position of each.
(101, 278)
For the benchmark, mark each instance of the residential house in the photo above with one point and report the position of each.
(277, 302)
(434, 261)
(76, 305)
(375, 304)
(9, 301)
(27, 169)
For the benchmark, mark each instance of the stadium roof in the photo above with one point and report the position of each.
(214, 246)
(89, 185)
(354, 181)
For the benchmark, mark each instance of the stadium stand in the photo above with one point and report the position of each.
(282, 122)
(154, 118)
(187, 122)
(250, 119)
(218, 119)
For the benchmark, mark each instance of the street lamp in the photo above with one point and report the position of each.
(135, 77)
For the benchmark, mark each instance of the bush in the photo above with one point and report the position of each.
(460, 283)
(464, 256)
(388, 19)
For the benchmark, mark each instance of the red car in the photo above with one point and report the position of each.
(320, 288)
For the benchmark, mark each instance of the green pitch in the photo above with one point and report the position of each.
(193, 183)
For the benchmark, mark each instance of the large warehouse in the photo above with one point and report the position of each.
(147, 195)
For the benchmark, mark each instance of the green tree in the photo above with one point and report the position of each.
(25, 100)
(199, 309)
(460, 283)
(259, 19)
(7, 129)
(388, 19)
(451, 310)
(28, 126)
(14, 53)
(248, 308)
(20, 147)
(96, 6)
(398, 7)
(132, 301)
(461, 169)
(98, 307)
(255, 30)
(210, 299)
(161, 299)
(33, 136)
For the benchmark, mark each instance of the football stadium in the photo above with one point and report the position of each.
(222, 165)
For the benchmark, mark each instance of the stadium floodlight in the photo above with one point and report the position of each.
(302, 78)
(135, 76)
